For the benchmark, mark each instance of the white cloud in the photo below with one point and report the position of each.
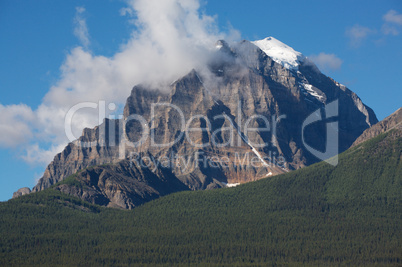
(392, 21)
(126, 11)
(171, 38)
(389, 30)
(391, 26)
(357, 34)
(15, 125)
(327, 62)
(38, 156)
(81, 29)
(393, 16)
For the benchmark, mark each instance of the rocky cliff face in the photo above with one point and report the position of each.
(199, 127)
(94, 147)
(393, 121)
(124, 185)
(21, 192)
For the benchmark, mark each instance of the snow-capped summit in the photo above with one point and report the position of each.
(280, 52)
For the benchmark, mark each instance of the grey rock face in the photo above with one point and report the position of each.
(242, 86)
(122, 185)
(393, 121)
(77, 155)
(21, 192)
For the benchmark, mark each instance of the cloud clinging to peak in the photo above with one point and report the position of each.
(169, 39)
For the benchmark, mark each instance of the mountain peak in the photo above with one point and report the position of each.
(221, 44)
(245, 84)
(280, 52)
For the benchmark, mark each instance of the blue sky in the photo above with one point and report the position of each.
(46, 44)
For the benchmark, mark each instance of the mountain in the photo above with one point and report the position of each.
(393, 121)
(134, 185)
(321, 215)
(198, 126)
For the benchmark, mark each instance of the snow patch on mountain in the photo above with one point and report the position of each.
(218, 45)
(309, 89)
(245, 139)
(280, 53)
(343, 87)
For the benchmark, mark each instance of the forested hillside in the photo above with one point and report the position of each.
(319, 215)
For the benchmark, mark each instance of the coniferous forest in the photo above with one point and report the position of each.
(321, 215)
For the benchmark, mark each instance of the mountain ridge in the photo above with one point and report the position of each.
(393, 121)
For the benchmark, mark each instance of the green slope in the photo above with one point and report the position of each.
(320, 215)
